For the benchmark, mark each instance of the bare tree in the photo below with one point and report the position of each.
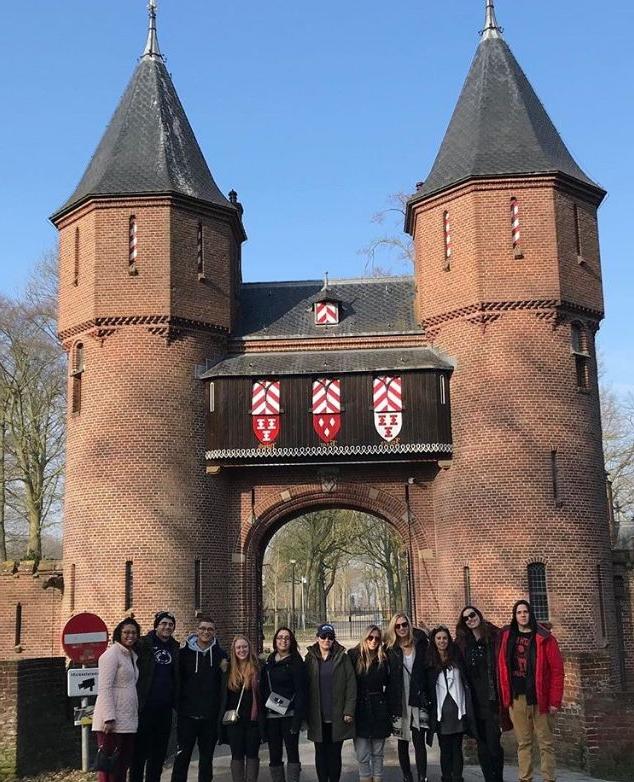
(617, 418)
(393, 245)
(32, 385)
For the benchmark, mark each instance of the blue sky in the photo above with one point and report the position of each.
(314, 113)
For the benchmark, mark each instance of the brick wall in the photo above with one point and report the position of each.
(37, 590)
(36, 734)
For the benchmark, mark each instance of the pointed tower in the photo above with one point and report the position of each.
(149, 280)
(509, 284)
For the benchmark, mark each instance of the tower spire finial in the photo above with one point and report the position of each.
(491, 27)
(152, 46)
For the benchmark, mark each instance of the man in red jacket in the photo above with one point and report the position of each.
(531, 685)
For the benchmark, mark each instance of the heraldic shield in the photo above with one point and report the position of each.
(265, 410)
(327, 408)
(388, 406)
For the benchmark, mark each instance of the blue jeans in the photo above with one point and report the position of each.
(370, 757)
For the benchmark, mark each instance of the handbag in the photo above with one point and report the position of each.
(105, 762)
(231, 716)
(276, 702)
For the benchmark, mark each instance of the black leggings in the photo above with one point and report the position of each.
(328, 755)
(244, 739)
(451, 760)
(279, 733)
(490, 752)
(420, 753)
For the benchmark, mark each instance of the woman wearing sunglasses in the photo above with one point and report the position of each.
(332, 696)
(372, 721)
(283, 685)
(478, 641)
(406, 649)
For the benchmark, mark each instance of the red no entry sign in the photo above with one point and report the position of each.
(85, 638)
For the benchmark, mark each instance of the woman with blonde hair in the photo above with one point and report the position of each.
(373, 721)
(406, 648)
(242, 712)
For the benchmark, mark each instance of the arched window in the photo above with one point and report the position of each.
(447, 239)
(580, 348)
(578, 248)
(198, 585)
(18, 625)
(537, 590)
(76, 372)
(133, 254)
(516, 235)
(129, 586)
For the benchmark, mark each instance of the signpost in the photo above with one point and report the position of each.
(85, 639)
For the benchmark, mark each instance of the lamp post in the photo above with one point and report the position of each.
(304, 580)
(293, 563)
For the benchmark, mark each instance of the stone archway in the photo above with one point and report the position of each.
(277, 509)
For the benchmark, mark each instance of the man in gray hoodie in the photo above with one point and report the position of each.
(201, 662)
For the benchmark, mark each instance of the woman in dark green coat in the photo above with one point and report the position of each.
(332, 696)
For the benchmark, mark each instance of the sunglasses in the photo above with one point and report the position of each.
(326, 636)
(472, 615)
(376, 638)
(401, 625)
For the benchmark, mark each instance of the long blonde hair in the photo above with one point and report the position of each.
(365, 659)
(242, 673)
(390, 634)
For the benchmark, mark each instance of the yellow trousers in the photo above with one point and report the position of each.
(528, 724)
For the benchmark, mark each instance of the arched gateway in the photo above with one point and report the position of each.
(205, 411)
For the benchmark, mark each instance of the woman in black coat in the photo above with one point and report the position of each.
(406, 648)
(373, 721)
(477, 641)
(283, 674)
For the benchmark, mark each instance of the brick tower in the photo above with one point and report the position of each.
(509, 284)
(149, 280)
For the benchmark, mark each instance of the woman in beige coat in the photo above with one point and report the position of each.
(116, 716)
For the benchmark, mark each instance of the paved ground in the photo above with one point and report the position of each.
(350, 769)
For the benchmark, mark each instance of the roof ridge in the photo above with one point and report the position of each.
(331, 282)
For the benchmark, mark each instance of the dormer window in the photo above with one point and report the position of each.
(326, 313)
(326, 306)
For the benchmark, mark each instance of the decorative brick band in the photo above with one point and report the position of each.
(155, 323)
(510, 306)
(336, 450)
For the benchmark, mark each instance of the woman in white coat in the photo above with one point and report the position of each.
(116, 716)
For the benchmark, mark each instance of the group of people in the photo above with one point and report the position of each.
(404, 682)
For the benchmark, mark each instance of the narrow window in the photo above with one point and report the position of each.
(200, 251)
(554, 475)
(18, 624)
(575, 210)
(537, 590)
(515, 228)
(447, 239)
(601, 604)
(77, 372)
(580, 350)
(443, 390)
(212, 397)
(76, 263)
(72, 589)
(197, 585)
(132, 257)
(466, 579)
(129, 586)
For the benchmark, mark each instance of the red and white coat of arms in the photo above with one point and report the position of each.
(388, 406)
(326, 408)
(265, 410)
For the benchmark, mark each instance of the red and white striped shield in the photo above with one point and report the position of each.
(327, 408)
(388, 406)
(326, 313)
(265, 410)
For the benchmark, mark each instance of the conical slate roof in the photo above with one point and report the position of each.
(499, 126)
(149, 146)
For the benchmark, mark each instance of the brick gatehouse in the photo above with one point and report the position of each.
(459, 404)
